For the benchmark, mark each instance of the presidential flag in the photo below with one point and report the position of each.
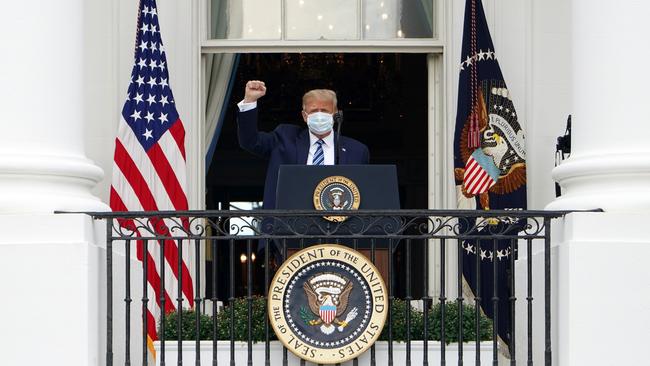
(149, 171)
(489, 167)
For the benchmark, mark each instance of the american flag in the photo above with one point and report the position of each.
(149, 166)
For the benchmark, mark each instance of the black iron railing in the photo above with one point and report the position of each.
(404, 239)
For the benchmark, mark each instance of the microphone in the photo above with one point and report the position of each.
(338, 118)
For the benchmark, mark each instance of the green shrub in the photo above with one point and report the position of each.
(435, 323)
(188, 325)
(451, 323)
(188, 322)
(398, 312)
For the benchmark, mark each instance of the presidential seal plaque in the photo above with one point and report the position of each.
(327, 304)
(336, 193)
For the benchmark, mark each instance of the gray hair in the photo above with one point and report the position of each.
(319, 94)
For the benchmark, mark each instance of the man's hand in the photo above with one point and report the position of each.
(255, 89)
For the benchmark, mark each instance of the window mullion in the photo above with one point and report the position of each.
(283, 20)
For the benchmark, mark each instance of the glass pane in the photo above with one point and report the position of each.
(246, 19)
(391, 19)
(321, 19)
(318, 19)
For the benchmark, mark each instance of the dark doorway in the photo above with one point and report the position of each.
(384, 99)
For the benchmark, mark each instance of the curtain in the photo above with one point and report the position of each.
(220, 75)
(427, 7)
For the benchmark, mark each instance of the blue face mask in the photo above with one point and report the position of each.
(320, 122)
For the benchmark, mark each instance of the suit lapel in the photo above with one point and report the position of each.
(340, 150)
(302, 147)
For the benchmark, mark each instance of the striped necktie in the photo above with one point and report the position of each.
(319, 156)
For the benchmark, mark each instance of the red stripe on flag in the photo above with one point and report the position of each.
(137, 182)
(188, 290)
(486, 185)
(168, 177)
(151, 326)
(177, 131)
(153, 278)
(480, 188)
(478, 176)
(134, 177)
(477, 182)
(489, 182)
(470, 169)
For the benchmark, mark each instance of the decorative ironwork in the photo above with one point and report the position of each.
(277, 224)
(408, 228)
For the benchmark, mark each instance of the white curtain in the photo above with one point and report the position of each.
(220, 69)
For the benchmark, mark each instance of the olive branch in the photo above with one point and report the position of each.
(306, 315)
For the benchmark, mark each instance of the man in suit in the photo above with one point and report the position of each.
(290, 144)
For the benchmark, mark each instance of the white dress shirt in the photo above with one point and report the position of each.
(245, 107)
(328, 145)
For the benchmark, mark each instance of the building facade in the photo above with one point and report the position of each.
(65, 72)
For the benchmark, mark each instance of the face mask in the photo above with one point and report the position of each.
(320, 122)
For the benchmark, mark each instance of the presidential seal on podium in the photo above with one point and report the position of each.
(327, 304)
(336, 193)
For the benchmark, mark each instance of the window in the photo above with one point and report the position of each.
(321, 19)
(317, 33)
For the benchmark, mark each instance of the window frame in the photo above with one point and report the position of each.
(441, 191)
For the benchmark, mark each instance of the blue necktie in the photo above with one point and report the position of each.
(319, 156)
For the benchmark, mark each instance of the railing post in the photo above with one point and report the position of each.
(109, 292)
(547, 292)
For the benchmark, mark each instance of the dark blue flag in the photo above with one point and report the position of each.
(489, 168)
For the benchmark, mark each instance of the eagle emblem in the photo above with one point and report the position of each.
(336, 200)
(327, 295)
(502, 151)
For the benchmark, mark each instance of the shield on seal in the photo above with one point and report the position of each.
(327, 313)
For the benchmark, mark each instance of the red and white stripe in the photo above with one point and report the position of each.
(476, 180)
(155, 181)
(327, 314)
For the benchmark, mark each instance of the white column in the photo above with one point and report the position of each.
(42, 163)
(599, 264)
(51, 273)
(601, 290)
(610, 163)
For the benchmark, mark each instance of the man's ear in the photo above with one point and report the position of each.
(304, 116)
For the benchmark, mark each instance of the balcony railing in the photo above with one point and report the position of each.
(402, 244)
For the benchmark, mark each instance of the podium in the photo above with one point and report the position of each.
(377, 189)
(377, 185)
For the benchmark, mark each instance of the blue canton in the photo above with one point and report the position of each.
(149, 108)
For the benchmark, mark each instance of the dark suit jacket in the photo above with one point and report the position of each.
(288, 144)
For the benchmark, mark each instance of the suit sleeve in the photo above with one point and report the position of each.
(250, 139)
